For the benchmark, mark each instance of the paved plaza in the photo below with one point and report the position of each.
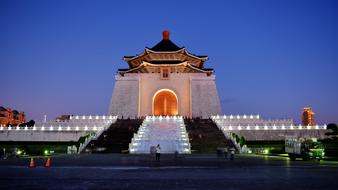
(117, 171)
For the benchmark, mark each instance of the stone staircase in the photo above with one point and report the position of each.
(116, 138)
(169, 132)
(205, 136)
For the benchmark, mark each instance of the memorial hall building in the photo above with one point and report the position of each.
(160, 91)
(165, 80)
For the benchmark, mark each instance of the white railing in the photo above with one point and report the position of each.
(237, 123)
(233, 140)
(235, 117)
(77, 123)
(50, 128)
(249, 120)
(274, 127)
(84, 117)
(90, 138)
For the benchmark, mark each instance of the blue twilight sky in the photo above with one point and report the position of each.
(271, 57)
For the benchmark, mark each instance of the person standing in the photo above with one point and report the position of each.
(158, 152)
(226, 153)
(4, 149)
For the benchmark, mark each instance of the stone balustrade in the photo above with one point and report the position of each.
(253, 127)
(76, 123)
(55, 131)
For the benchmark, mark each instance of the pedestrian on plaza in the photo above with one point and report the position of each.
(4, 149)
(226, 153)
(232, 153)
(158, 152)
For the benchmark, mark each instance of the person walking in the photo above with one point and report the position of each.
(158, 152)
(232, 153)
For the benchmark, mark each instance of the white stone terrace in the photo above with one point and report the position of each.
(254, 122)
(75, 123)
(69, 130)
(252, 127)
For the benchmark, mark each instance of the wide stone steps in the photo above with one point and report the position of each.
(117, 137)
(205, 137)
(169, 132)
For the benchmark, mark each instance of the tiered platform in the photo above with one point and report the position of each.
(254, 128)
(169, 132)
(52, 131)
(78, 123)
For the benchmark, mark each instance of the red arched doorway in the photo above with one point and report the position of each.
(165, 103)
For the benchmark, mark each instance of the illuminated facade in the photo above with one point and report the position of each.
(11, 117)
(165, 80)
(308, 117)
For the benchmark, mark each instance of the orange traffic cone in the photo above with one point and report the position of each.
(32, 163)
(47, 165)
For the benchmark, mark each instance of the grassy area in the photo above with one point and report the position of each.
(277, 147)
(36, 148)
(274, 147)
(331, 147)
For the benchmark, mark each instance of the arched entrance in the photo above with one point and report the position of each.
(165, 102)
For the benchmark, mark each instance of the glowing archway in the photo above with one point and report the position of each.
(165, 102)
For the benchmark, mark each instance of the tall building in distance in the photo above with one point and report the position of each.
(308, 117)
(63, 118)
(11, 117)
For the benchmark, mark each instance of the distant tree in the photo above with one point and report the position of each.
(334, 128)
(235, 136)
(242, 141)
(30, 123)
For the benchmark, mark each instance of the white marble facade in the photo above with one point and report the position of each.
(134, 92)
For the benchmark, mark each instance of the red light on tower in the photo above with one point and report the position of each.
(166, 35)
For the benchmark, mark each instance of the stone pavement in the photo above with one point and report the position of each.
(119, 171)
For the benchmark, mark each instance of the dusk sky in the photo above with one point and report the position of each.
(270, 57)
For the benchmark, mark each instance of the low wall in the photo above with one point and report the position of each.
(41, 136)
(275, 135)
(254, 128)
(52, 131)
